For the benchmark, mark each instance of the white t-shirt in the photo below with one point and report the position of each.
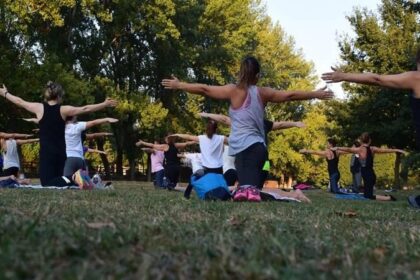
(73, 135)
(11, 157)
(212, 150)
(228, 161)
(195, 160)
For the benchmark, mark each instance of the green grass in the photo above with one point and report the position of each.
(157, 234)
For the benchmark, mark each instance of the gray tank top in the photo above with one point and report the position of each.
(247, 123)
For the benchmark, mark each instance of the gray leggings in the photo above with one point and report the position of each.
(72, 165)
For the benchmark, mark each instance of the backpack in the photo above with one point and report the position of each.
(208, 182)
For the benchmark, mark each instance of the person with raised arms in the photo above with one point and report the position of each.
(332, 157)
(247, 103)
(229, 172)
(366, 153)
(11, 162)
(409, 80)
(172, 164)
(74, 148)
(51, 116)
(211, 147)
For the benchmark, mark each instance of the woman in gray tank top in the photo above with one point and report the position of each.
(247, 103)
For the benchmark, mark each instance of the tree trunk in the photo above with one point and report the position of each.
(397, 165)
(132, 163)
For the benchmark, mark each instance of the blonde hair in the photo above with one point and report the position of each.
(53, 91)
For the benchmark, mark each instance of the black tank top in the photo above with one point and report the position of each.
(415, 108)
(171, 156)
(51, 131)
(333, 164)
(367, 163)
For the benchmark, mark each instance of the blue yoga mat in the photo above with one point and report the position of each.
(350, 196)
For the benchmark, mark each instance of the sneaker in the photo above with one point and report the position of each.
(241, 194)
(253, 194)
(82, 179)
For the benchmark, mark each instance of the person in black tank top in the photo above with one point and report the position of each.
(172, 163)
(50, 116)
(368, 174)
(332, 163)
(366, 152)
(52, 155)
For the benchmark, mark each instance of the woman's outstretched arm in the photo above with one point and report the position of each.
(187, 137)
(216, 117)
(93, 123)
(278, 96)
(312, 152)
(157, 147)
(75, 111)
(286, 125)
(387, 151)
(32, 107)
(27, 141)
(217, 92)
(98, 135)
(407, 80)
(348, 150)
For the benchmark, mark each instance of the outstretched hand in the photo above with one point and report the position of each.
(112, 120)
(111, 102)
(333, 77)
(300, 125)
(3, 90)
(303, 151)
(171, 83)
(140, 143)
(325, 93)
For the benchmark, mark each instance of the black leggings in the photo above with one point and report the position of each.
(218, 170)
(51, 166)
(415, 108)
(11, 171)
(369, 180)
(249, 164)
(172, 175)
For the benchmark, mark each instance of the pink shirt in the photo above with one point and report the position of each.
(157, 158)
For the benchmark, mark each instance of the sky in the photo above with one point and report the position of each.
(316, 27)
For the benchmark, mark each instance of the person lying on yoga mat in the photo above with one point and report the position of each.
(366, 154)
(332, 157)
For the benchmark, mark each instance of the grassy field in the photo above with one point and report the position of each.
(138, 232)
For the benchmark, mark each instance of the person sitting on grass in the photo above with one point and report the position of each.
(172, 164)
(366, 154)
(74, 147)
(332, 157)
(11, 162)
(230, 174)
(211, 147)
(51, 116)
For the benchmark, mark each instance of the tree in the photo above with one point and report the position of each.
(384, 43)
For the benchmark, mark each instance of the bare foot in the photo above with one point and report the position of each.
(302, 197)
